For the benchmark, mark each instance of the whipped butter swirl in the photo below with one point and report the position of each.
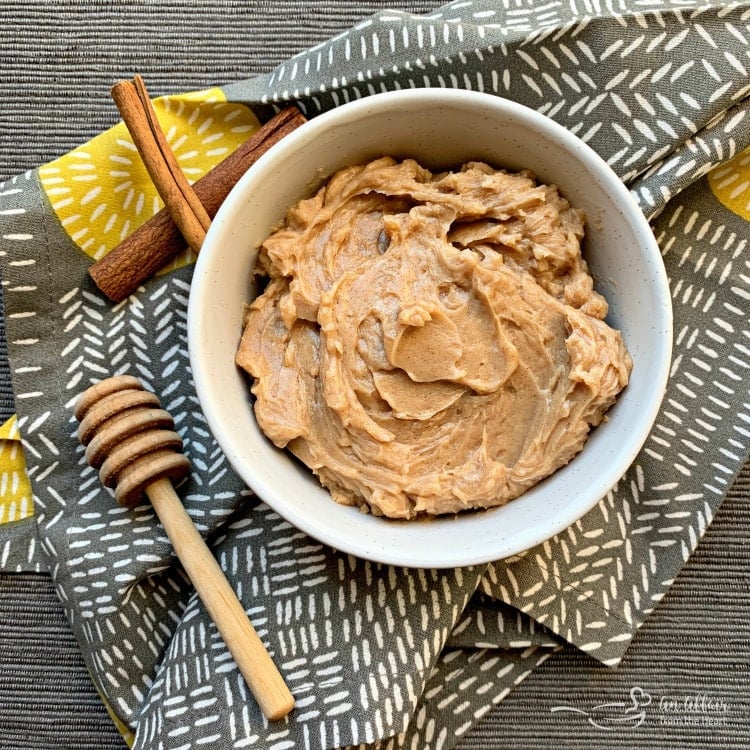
(430, 343)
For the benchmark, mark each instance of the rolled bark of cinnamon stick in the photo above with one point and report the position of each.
(150, 247)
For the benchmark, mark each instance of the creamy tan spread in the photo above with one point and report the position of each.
(430, 343)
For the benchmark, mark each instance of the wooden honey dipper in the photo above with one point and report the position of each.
(132, 442)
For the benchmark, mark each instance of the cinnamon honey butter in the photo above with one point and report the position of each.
(430, 343)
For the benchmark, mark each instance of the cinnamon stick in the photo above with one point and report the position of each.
(139, 116)
(150, 247)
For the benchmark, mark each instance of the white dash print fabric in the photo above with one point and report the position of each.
(378, 656)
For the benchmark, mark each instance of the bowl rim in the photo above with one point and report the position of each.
(237, 198)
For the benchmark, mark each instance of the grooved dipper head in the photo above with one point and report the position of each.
(128, 437)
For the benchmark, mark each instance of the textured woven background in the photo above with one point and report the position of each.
(59, 61)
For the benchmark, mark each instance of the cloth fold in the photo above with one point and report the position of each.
(375, 654)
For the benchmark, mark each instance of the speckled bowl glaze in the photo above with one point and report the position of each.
(441, 128)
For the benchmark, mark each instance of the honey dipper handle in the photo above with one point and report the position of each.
(254, 662)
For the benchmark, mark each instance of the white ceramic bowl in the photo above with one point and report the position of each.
(441, 128)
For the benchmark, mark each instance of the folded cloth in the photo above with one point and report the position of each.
(373, 653)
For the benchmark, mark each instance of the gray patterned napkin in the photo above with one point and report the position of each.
(660, 90)
(403, 658)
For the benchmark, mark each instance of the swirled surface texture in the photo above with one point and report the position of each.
(430, 343)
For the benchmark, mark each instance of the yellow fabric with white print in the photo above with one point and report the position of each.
(730, 183)
(15, 490)
(101, 192)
